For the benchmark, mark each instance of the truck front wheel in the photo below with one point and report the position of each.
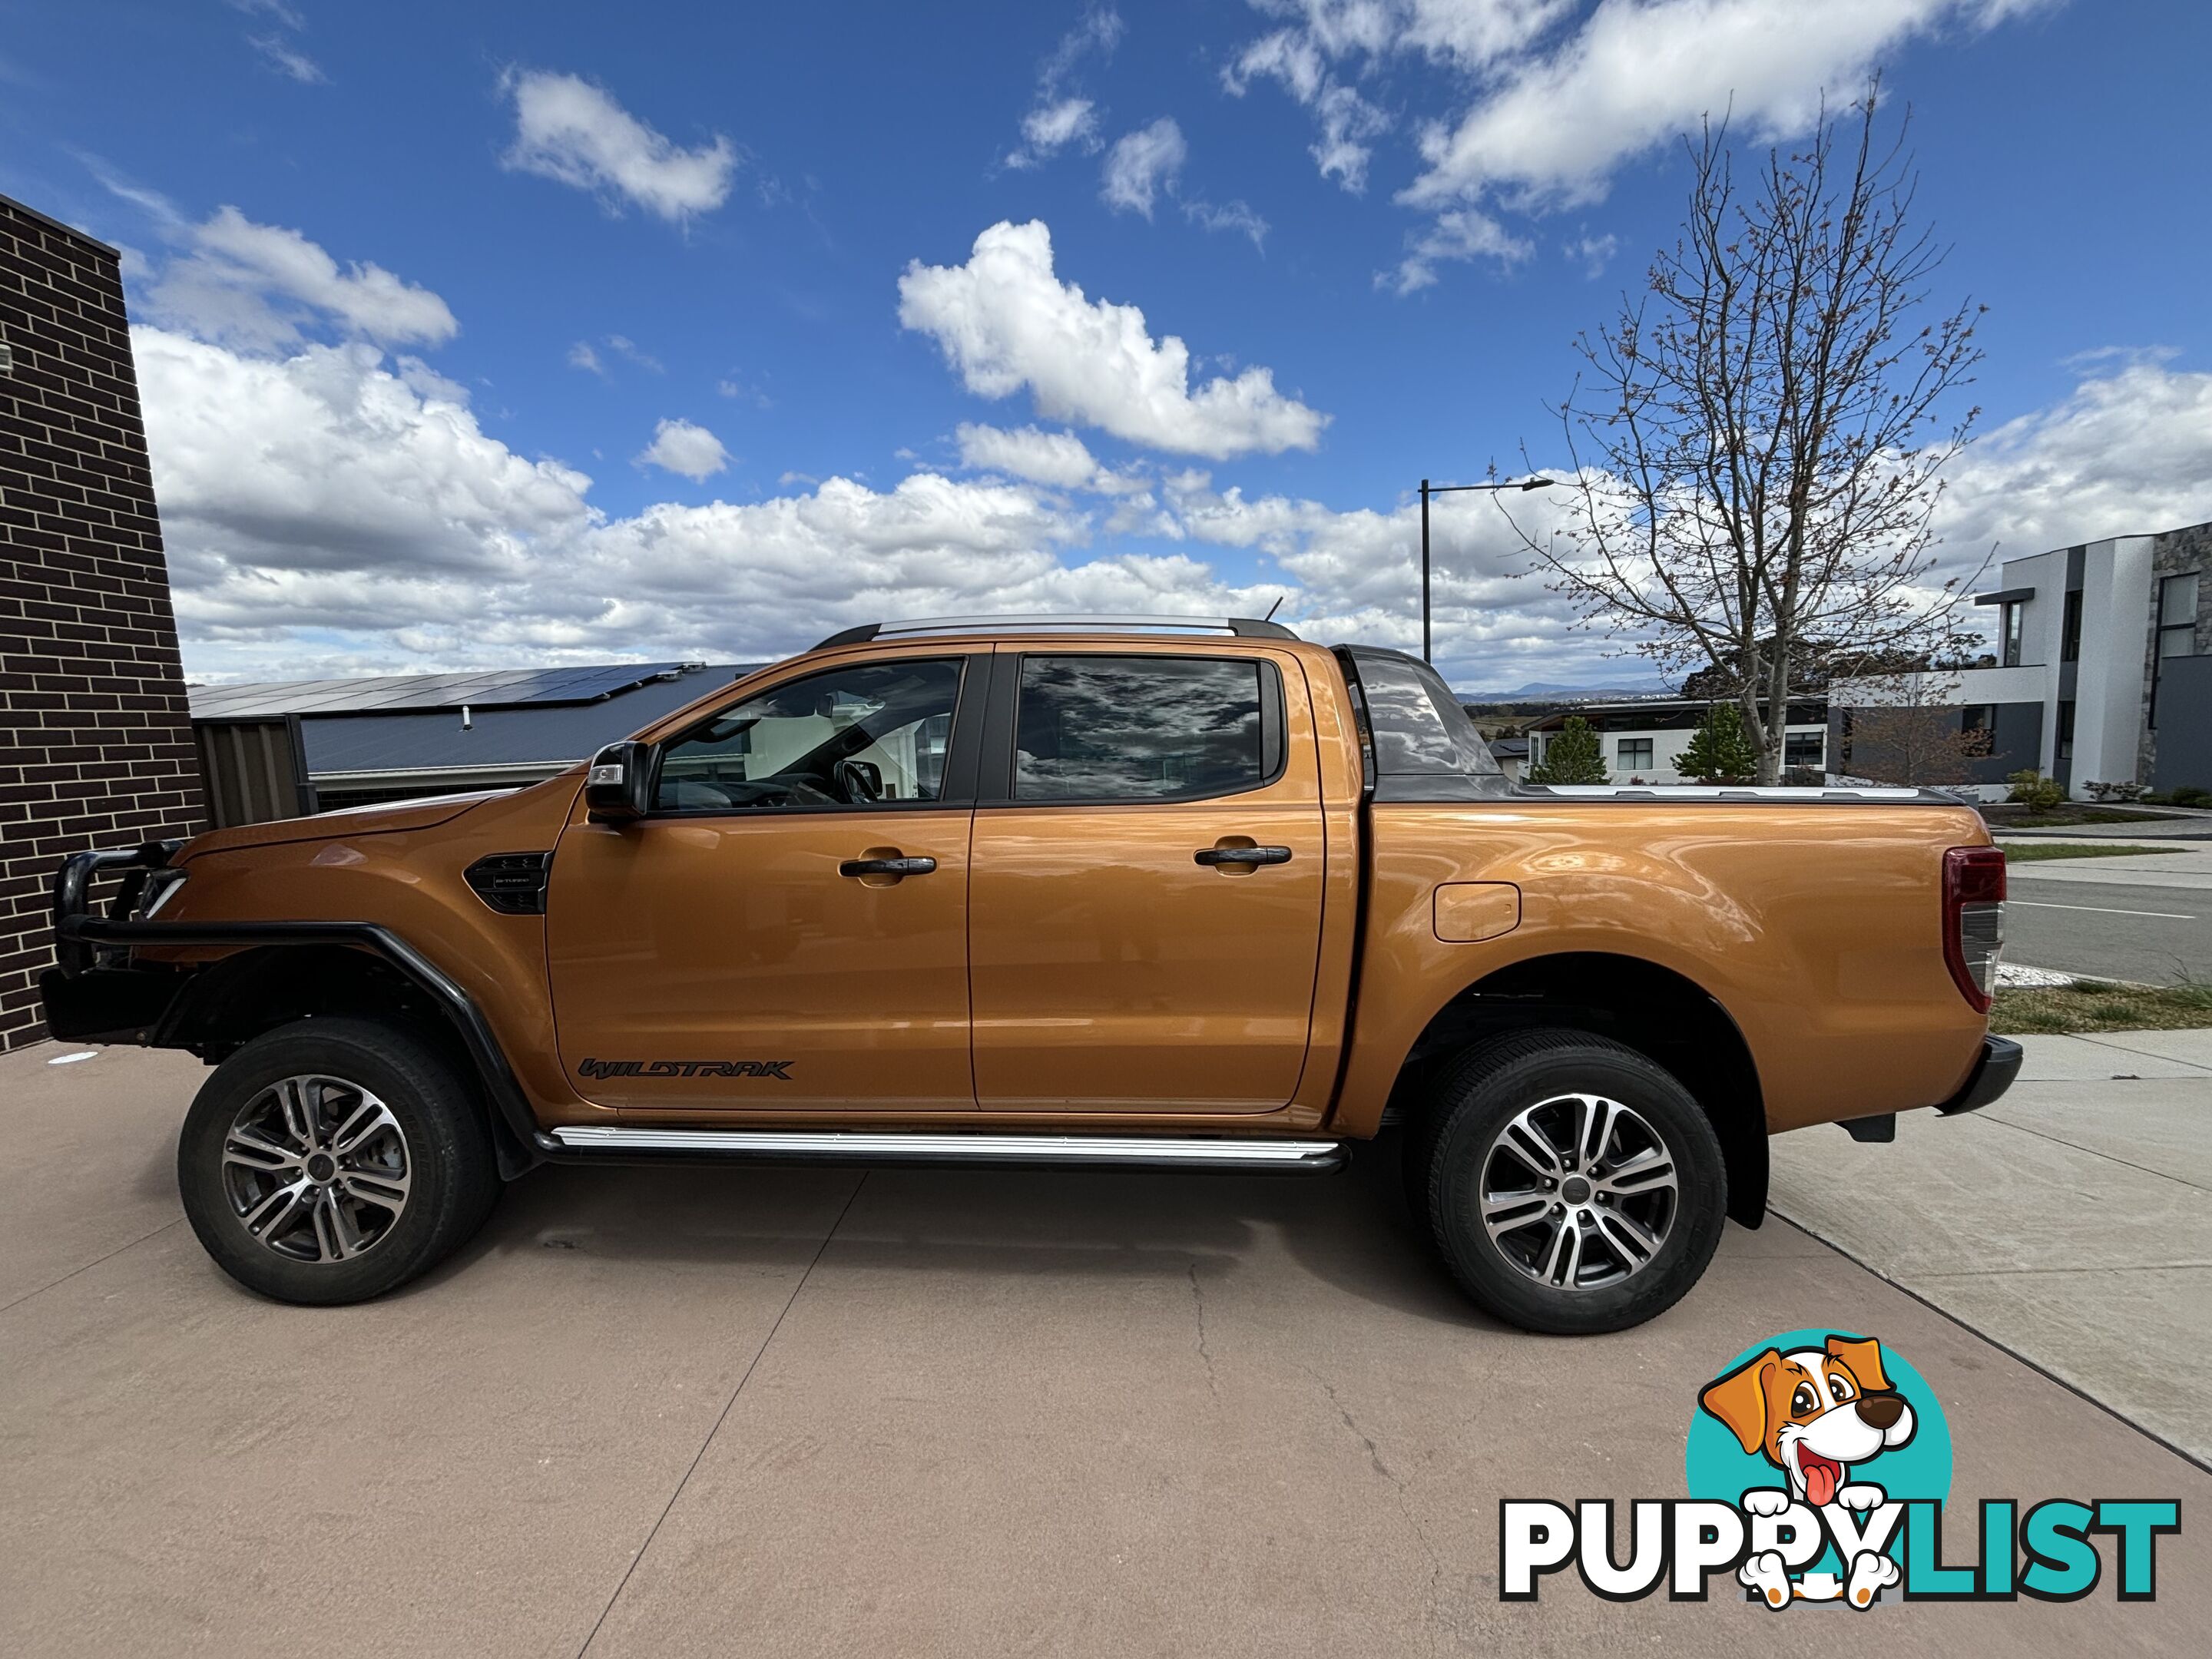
(1571, 1185)
(331, 1160)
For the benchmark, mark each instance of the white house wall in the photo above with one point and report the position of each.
(2108, 687)
(1667, 747)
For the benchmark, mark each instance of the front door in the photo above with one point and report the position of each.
(789, 927)
(1146, 883)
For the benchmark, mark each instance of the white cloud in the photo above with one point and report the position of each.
(1058, 459)
(430, 385)
(626, 347)
(287, 59)
(2127, 452)
(1060, 118)
(1227, 216)
(1592, 253)
(1142, 164)
(568, 128)
(1005, 322)
(1052, 127)
(1329, 40)
(689, 451)
(1548, 98)
(327, 461)
(259, 285)
(1550, 130)
(584, 357)
(1458, 234)
(333, 510)
(323, 516)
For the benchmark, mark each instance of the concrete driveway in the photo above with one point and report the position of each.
(683, 1411)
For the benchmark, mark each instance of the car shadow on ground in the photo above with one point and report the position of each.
(1350, 1231)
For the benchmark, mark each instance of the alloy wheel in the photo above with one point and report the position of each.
(1578, 1192)
(316, 1168)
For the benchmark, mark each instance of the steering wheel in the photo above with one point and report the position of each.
(859, 781)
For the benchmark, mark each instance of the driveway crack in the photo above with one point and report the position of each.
(1406, 1510)
(1205, 1354)
(722, 1417)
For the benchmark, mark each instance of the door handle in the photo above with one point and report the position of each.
(1247, 856)
(900, 867)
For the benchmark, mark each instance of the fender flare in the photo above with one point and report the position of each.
(519, 1140)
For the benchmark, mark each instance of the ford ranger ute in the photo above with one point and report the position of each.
(1051, 891)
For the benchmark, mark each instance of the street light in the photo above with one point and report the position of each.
(1429, 489)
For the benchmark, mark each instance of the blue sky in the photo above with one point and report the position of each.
(408, 276)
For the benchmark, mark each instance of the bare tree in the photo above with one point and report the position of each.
(1909, 730)
(1757, 439)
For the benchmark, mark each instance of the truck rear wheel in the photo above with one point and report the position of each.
(1571, 1186)
(331, 1160)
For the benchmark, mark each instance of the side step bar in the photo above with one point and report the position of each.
(896, 1146)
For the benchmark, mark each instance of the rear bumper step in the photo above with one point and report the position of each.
(895, 1147)
(1994, 1071)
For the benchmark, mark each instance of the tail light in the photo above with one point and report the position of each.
(1973, 919)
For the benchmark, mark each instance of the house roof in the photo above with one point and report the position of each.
(1668, 714)
(509, 687)
(412, 724)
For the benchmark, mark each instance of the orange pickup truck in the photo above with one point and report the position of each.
(1195, 895)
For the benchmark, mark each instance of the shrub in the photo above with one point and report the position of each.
(1719, 751)
(2190, 795)
(2031, 789)
(1573, 756)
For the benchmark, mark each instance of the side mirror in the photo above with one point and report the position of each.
(619, 785)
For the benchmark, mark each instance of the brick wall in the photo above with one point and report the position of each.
(95, 745)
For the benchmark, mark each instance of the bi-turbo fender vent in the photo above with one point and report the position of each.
(512, 884)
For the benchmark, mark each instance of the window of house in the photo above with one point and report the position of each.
(1805, 749)
(861, 736)
(1978, 725)
(2176, 628)
(2070, 641)
(2065, 732)
(2177, 616)
(1144, 728)
(1632, 755)
(2010, 626)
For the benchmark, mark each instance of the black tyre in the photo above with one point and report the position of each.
(331, 1160)
(1572, 1185)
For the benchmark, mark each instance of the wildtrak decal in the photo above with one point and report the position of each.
(779, 1069)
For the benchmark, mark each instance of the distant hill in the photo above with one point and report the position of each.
(1564, 693)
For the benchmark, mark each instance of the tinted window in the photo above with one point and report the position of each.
(1139, 728)
(1419, 727)
(861, 736)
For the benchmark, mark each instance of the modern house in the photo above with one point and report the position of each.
(2103, 670)
(1643, 739)
(284, 750)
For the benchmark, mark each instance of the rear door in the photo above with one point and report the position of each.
(1146, 882)
(768, 938)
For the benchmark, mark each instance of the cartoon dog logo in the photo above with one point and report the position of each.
(1814, 1413)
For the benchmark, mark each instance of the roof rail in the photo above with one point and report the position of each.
(1246, 626)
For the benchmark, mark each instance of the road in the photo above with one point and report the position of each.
(2137, 930)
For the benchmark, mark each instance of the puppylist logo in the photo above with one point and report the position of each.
(1818, 1464)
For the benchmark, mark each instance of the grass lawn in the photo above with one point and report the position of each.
(2028, 851)
(2093, 1006)
(2004, 815)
